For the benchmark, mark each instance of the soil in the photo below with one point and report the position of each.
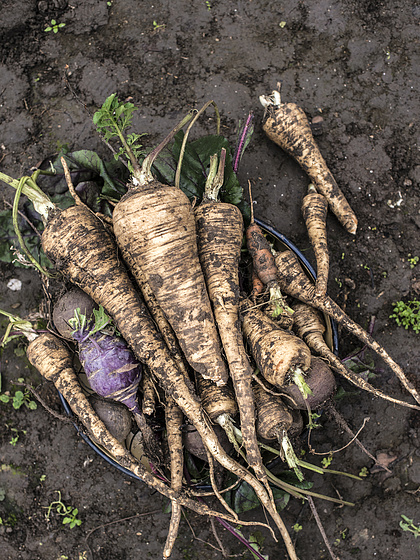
(353, 62)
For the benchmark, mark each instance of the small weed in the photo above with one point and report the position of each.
(313, 421)
(70, 513)
(297, 527)
(339, 282)
(19, 399)
(208, 5)
(413, 261)
(15, 438)
(364, 472)
(408, 525)
(326, 461)
(407, 314)
(157, 26)
(54, 26)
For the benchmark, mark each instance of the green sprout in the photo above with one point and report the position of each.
(157, 26)
(19, 399)
(413, 261)
(408, 525)
(407, 314)
(54, 26)
(70, 513)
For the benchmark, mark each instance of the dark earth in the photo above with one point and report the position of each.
(353, 62)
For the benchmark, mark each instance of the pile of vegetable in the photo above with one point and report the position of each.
(183, 324)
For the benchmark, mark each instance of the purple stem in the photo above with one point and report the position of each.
(227, 525)
(241, 142)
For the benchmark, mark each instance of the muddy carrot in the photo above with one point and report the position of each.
(264, 267)
(294, 281)
(173, 420)
(85, 253)
(287, 125)
(310, 327)
(155, 230)
(220, 235)
(314, 210)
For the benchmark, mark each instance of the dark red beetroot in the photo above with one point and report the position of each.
(321, 381)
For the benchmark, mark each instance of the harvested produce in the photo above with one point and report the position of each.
(314, 210)
(111, 368)
(155, 230)
(281, 356)
(287, 125)
(321, 382)
(264, 269)
(295, 283)
(114, 415)
(169, 275)
(219, 235)
(64, 307)
(77, 240)
(309, 326)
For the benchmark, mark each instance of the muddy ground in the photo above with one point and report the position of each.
(354, 62)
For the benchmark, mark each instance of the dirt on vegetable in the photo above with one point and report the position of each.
(353, 63)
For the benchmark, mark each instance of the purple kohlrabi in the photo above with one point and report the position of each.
(110, 366)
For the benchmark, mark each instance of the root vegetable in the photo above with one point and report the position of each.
(53, 360)
(112, 369)
(86, 254)
(114, 415)
(320, 380)
(264, 267)
(220, 234)
(309, 327)
(273, 422)
(279, 354)
(287, 125)
(314, 210)
(173, 420)
(155, 229)
(64, 307)
(294, 281)
(273, 417)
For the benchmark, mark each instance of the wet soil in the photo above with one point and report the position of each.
(353, 62)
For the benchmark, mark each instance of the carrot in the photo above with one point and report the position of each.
(257, 286)
(279, 354)
(148, 404)
(309, 326)
(273, 417)
(220, 234)
(84, 251)
(173, 420)
(287, 125)
(273, 422)
(155, 230)
(53, 360)
(265, 269)
(314, 210)
(294, 281)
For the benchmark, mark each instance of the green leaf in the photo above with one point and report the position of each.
(243, 498)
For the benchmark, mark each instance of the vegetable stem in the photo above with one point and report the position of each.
(39, 199)
(144, 175)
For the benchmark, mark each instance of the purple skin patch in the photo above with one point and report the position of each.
(111, 368)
